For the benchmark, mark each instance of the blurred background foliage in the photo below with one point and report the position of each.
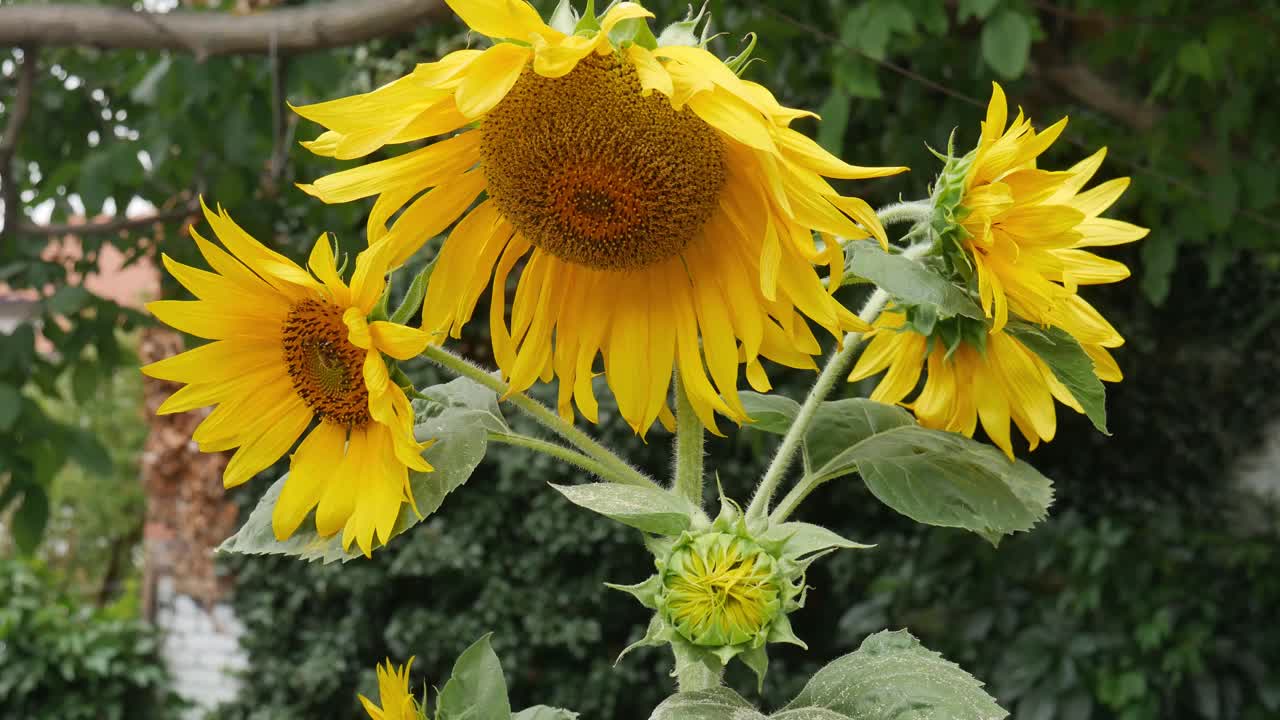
(1148, 594)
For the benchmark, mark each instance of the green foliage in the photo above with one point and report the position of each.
(890, 676)
(909, 282)
(647, 509)
(61, 660)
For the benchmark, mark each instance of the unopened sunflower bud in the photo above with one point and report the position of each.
(720, 589)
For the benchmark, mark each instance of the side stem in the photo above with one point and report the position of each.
(836, 366)
(913, 211)
(690, 435)
(620, 471)
(561, 452)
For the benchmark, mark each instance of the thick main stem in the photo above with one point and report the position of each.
(836, 366)
(621, 472)
(690, 435)
(696, 676)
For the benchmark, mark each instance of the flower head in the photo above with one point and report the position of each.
(294, 350)
(393, 695)
(663, 208)
(972, 374)
(1025, 230)
(720, 589)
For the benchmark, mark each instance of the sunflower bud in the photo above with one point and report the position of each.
(720, 589)
(724, 590)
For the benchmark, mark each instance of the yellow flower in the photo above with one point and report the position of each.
(393, 694)
(290, 348)
(663, 209)
(1026, 228)
(1001, 381)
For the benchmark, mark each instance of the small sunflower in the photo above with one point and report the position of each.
(290, 348)
(979, 375)
(663, 209)
(1026, 228)
(393, 695)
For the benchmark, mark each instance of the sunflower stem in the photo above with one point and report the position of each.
(569, 455)
(695, 676)
(914, 211)
(690, 435)
(620, 471)
(837, 365)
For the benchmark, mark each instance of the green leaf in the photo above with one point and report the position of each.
(714, 704)
(463, 416)
(809, 713)
(841, 423)
(890, 677)
(979, 9)
(542, 712)
(30, 519)
(944, 479)
(10, 405)
(412, 302)
(648, 509)
(908, 281)
(1225, 202)
(1070, 364)
(68, 300)
(769, 413)
(87, 450)
(1006, 43)
(835, 120)
(859, 77)
(84, 380)
(477, 689)
(1159, 255)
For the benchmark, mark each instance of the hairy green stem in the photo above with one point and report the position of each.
(690, 435)
(914, 211)
(696, 676)
(569, 455)
(836, 366)
(620, 471)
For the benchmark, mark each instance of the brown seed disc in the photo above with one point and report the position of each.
(326, 369)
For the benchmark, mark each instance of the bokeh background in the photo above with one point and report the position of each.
(1150, 592)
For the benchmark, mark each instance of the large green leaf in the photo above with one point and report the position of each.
(10, 405)
(946, 479)
(934, 477)
(1070, 364)
(648, 509)
(458, 417)
(715, 704)
(476, 689)
(908, 281)
(29, 521)
(893, 677)
(542, 712)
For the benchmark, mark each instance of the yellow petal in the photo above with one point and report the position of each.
(311, 468)
(1098, 232)
(213, 322)
(423, 168)
(398, 341)
(1098, 199)
(430, 214)
(322, 264)
(813, 156)
(220, 360)
(734, 118)
(490, 77)
(286, 424)
(502, 18)
(653, 76)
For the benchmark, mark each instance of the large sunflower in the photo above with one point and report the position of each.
(1027, 228)
(996, 381)
(664, 210)
(291, 348)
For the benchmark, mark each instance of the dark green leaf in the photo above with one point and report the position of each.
(908, 281)
(1070, 364)
(1006, 43)
(835, 119)
(838, 424)
(648, 509)
(979, 9)
(68, 300)
(10, 405)
(542, 712)
(476, 689)
(30, 519)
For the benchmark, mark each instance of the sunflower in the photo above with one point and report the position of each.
(290, 348)
(393, 694)
(995, 380)
(661, 210)
(1025, 228)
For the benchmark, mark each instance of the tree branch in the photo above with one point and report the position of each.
(204, 34)
(113, 226)
(18, 113)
